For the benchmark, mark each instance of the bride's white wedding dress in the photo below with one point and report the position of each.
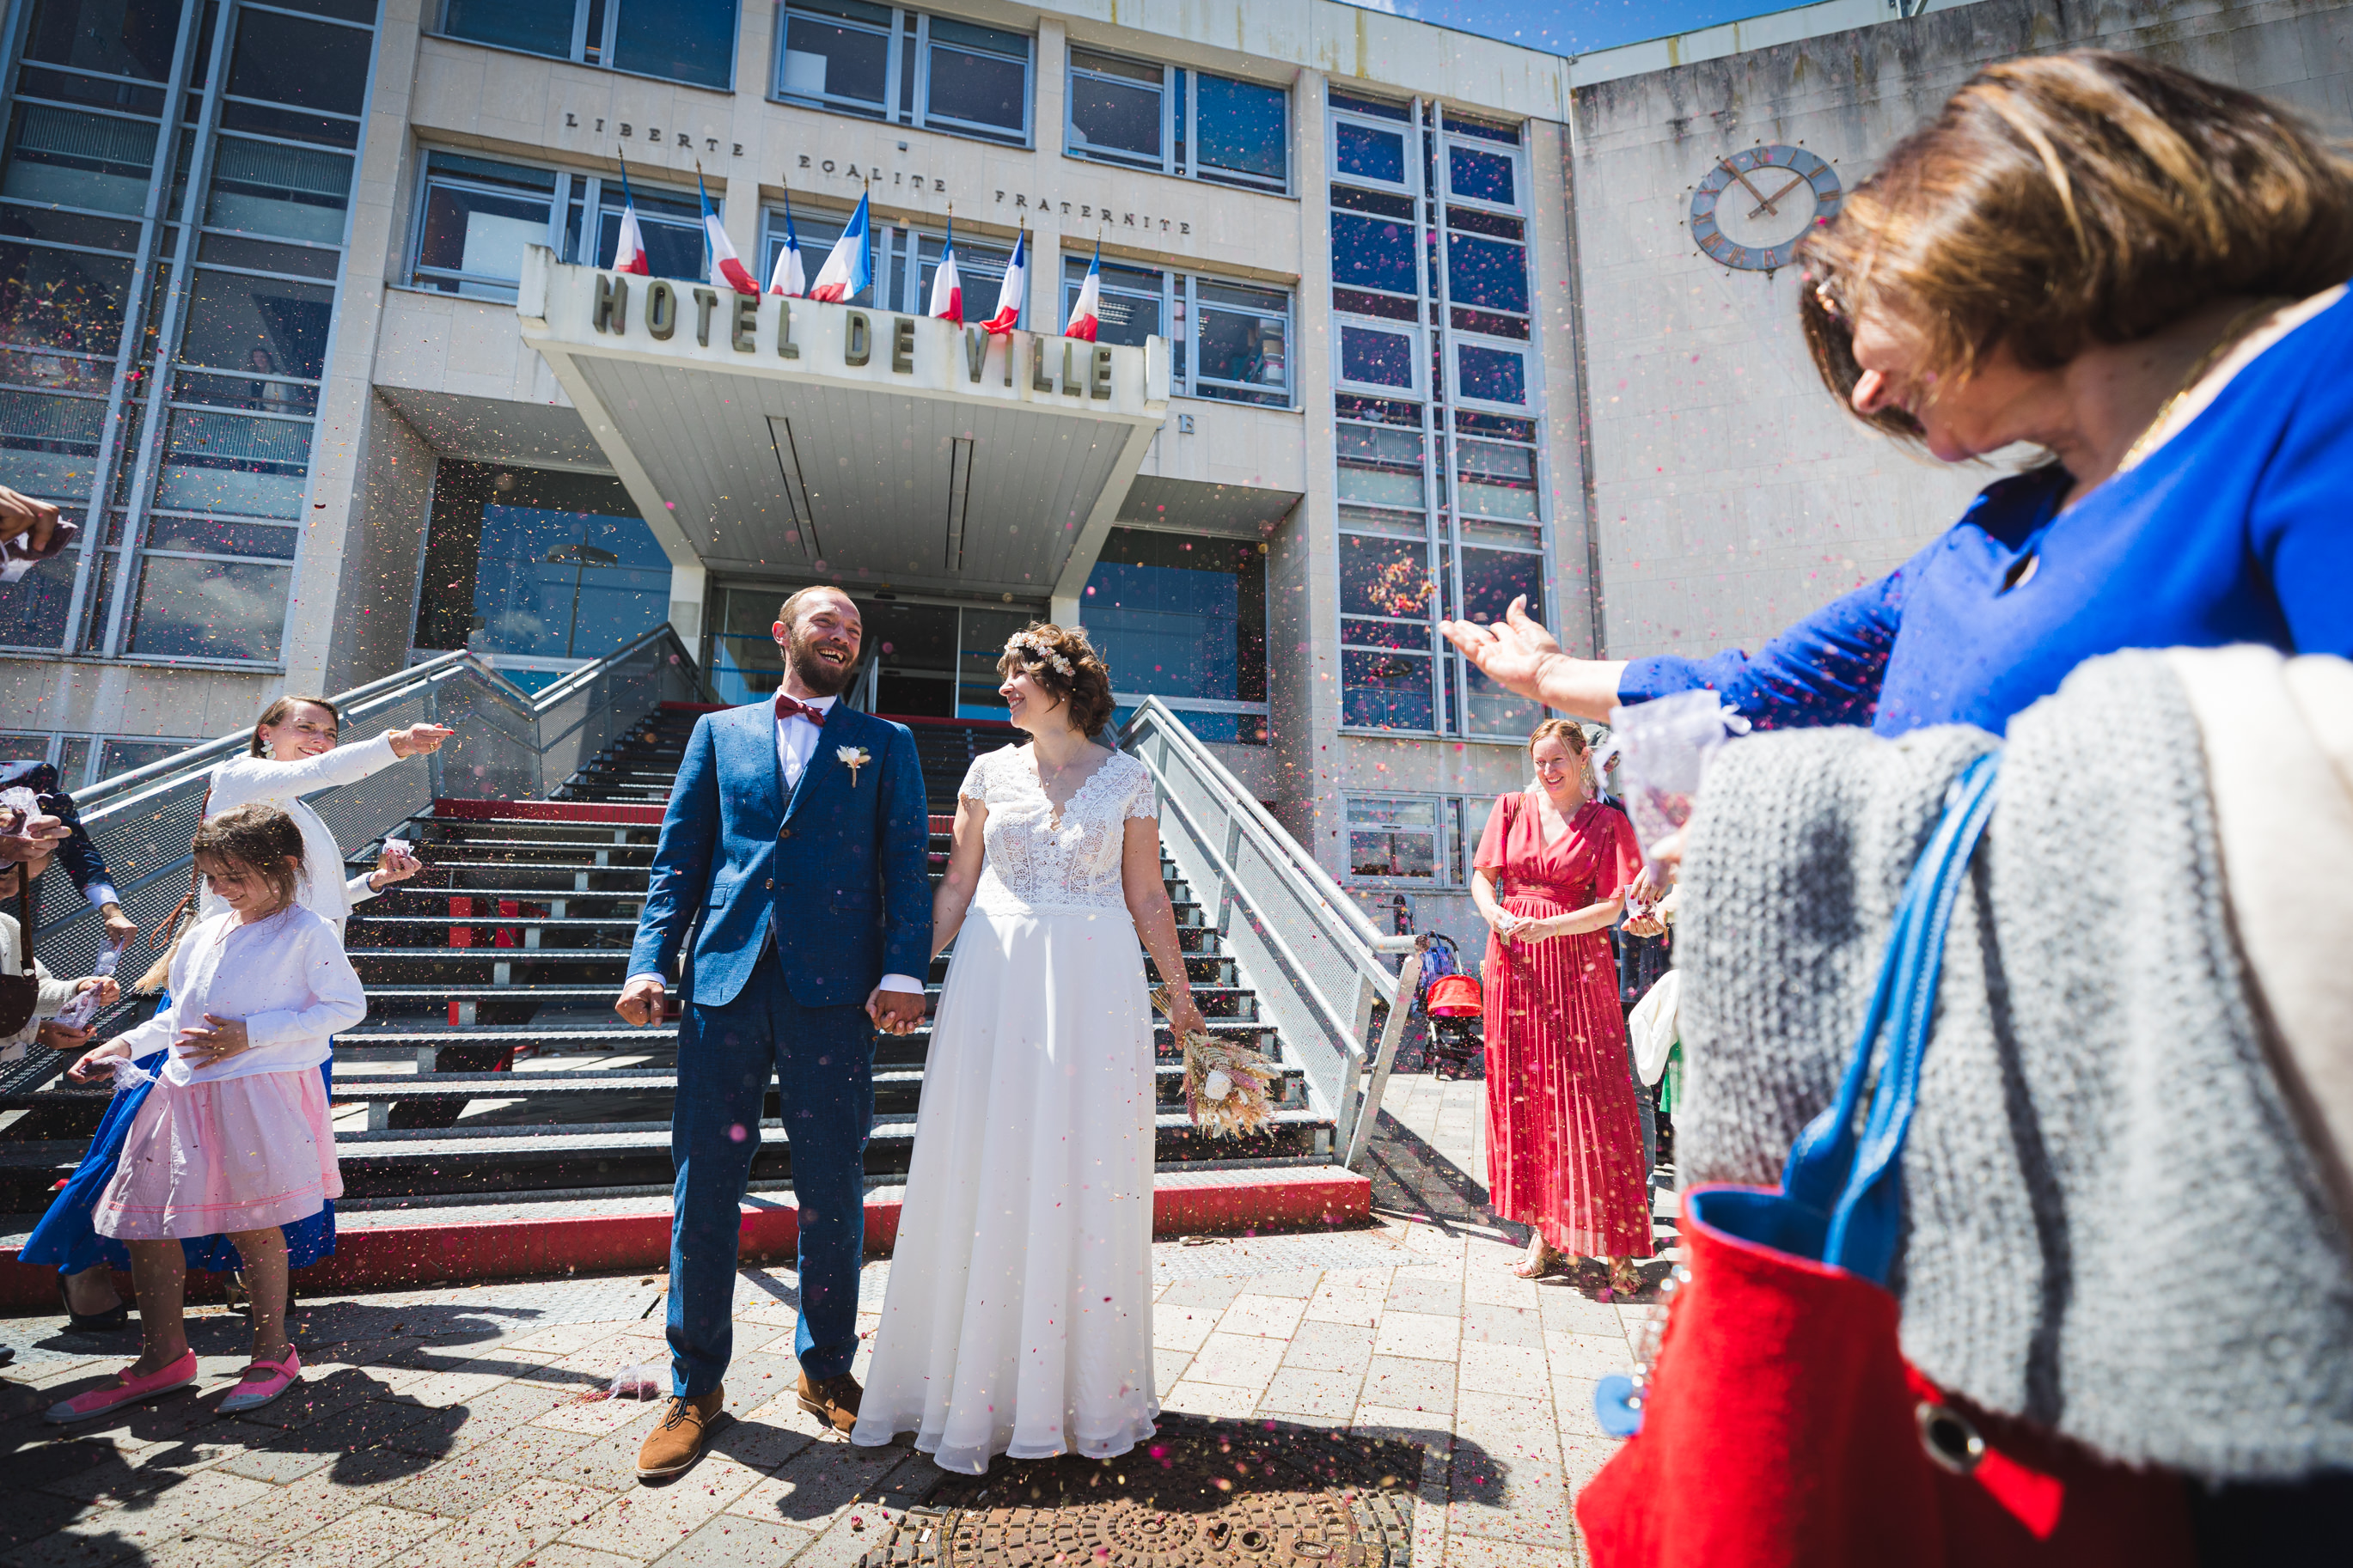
(1019, 1316)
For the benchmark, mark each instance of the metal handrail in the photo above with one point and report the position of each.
(1349, 951)
(508, 743)
(1268, 834)
(206, 752)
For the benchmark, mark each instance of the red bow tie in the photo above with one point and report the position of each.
(790, 707)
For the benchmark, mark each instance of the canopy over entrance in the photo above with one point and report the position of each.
(788, 437)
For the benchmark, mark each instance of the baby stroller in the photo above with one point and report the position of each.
(1450, 999)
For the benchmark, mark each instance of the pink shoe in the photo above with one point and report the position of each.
(263, 1382)
(125, 1390)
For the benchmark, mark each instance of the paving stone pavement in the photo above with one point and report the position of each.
(442, 1428)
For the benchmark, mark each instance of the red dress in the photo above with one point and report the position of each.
(1564, 1138)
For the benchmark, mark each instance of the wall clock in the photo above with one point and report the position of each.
(1751, 209)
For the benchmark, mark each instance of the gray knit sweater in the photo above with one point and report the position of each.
(2110, 1224)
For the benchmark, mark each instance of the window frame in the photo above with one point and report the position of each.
(1455, 849)
(906, 78)
(1180, 308)
(1406, 130)
(426, 179)
(584, 188)
(1419, 331)
(578, 55)
(1180, 125)
(1457, 341)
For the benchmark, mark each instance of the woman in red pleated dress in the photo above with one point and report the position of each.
(1564, 1141)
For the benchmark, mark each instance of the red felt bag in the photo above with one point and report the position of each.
(1780, 1427)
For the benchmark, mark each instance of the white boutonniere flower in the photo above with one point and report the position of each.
(853, 758)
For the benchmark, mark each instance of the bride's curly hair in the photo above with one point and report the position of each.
(1066, 665)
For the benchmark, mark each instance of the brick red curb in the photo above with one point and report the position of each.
(370, 1257)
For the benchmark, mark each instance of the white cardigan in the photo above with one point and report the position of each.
(240, 780)
(286, 976)
(53, 994)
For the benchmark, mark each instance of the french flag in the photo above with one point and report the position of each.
(727, 272)
(947, 287)
(1010, 293)
(629, 251)
(787, 279)
(1090, 302)
(851, 267)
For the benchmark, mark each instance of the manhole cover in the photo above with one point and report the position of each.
(1197, 1496)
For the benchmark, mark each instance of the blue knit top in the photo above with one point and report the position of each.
(2238, 529)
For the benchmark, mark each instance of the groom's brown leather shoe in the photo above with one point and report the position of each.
(833, 1400)
(676, 1442)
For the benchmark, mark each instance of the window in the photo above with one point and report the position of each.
(168, 404)
(1413, 838)
(1373, 242)
(1183, 617)
(1175, 122)
(816, 228)
(478, 218)
(1135, 301)
(692, 41)
(1492, 372)
(1228, 340)
(1435, 401)
(1241, 343)
(1372, 143)
(885, 63)
(542, 569)
(475, 218)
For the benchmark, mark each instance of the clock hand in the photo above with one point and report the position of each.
(1777, 195)
(1752, 190)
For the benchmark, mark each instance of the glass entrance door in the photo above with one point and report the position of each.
(919, 659)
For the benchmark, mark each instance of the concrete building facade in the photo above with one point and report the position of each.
(307, 316)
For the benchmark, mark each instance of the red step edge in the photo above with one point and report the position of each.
(391, 1256)
(548, 811)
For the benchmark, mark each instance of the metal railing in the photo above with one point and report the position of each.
(511, 744)
(1319, 967)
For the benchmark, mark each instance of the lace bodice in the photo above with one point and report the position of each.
(1034, 865)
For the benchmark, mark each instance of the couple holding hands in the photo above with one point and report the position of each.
(1018, 1315)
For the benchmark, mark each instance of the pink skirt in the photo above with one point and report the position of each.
(213, 1159)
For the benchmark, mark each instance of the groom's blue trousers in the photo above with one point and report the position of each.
(823, 1059)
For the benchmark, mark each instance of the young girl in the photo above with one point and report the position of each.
(234, 1140)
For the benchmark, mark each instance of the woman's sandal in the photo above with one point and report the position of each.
(1546, 1262)
(1626, 1278)
(125, 1390)
(262, 1382)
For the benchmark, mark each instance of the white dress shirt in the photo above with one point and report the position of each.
(796, 741)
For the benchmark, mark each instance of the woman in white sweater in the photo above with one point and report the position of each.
(293, 752)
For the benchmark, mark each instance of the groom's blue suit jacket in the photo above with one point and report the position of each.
(840, 870)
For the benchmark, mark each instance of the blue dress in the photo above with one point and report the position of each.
(65, 1239)
(2238, 529)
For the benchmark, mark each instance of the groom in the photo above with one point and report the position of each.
(796, 838)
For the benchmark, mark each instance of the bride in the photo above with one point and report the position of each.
(1019, 1317)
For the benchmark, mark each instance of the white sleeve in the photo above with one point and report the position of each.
(358, 891)
(338, 1001)
(975, 780)
(243, 779)
(1143, 800)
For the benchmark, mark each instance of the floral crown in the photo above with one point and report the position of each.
(1035, 649)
